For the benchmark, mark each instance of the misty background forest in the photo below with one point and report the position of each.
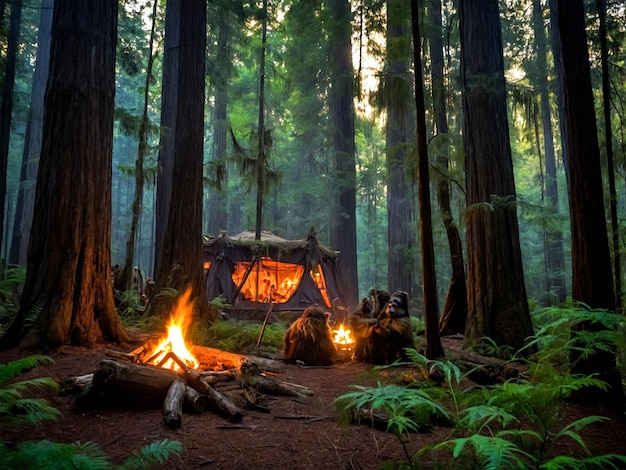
(310, 121)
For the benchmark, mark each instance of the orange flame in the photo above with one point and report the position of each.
(175, 340)
(343, 338)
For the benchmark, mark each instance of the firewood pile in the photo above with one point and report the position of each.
(224, 383)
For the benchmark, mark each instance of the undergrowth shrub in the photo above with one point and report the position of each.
(514, 425)
(238, 335)
(17, 411)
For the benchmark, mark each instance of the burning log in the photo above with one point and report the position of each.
(130, 357)
(173, 404)
(228, 360)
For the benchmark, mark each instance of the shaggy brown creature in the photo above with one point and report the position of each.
(309, 339)
(382, 340)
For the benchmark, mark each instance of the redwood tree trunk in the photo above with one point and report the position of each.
(401, 224)
(454, 312)
(218, 198)
(7, 102)
(343, 226)
(68, 280)
(181, 264)
(431, 308)
(32, 142)
(497, 303)
(555, 258)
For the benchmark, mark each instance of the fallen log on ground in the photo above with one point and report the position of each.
(173, 405)
(486, 370)
(133, 379)
(194, 401)
(224, 406)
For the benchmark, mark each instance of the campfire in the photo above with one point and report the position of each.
(343, 341)
(183, 376)
(172, 352)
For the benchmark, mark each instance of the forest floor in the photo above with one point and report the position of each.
(293, 435)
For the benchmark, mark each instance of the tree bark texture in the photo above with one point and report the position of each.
(431, 307)
(68, 280)
(343, 225)
(218, 199)
(555, 258)
(592, 280)
(401, 223)
(497, 303)
(180, 253)
(7, 101)
(454, 314)
(32, 141)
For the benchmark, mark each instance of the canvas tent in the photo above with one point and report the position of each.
(289, 274)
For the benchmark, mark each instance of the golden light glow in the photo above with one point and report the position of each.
(174, 342)
(343, 338)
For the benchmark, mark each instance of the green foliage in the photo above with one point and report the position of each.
(409, 410)
(88, 456)
(11, 278)
(514, 425)
(238, 336)
(16, 410)
(557, 335)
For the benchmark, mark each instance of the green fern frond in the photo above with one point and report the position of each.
(492, 452)
(565, 462)
(10, 370)
(154, 453)
(44, 455)
(480, 416)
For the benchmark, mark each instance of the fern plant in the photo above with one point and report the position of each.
(17, 410)
(517, 424)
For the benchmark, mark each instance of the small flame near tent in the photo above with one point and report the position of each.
(289, 274)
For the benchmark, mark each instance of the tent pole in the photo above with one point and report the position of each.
(267, 316)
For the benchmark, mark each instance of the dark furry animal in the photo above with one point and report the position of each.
(382, 340)
(309, 339)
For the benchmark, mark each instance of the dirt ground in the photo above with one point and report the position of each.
(293, 435)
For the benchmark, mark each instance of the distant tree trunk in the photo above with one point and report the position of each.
(431, 308)
(497, 303)
(555, 44)
(32, 142)
(68, 280)
(124, 281)
(555, 254)
(261, 157)
(343, 224)
(6, 108)
(181, 265)
(401, 228)
(454, 313)
(608, 137)
(218, 198)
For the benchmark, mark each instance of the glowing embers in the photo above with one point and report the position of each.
(172, 351)
(267, 280)
(343, 339)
